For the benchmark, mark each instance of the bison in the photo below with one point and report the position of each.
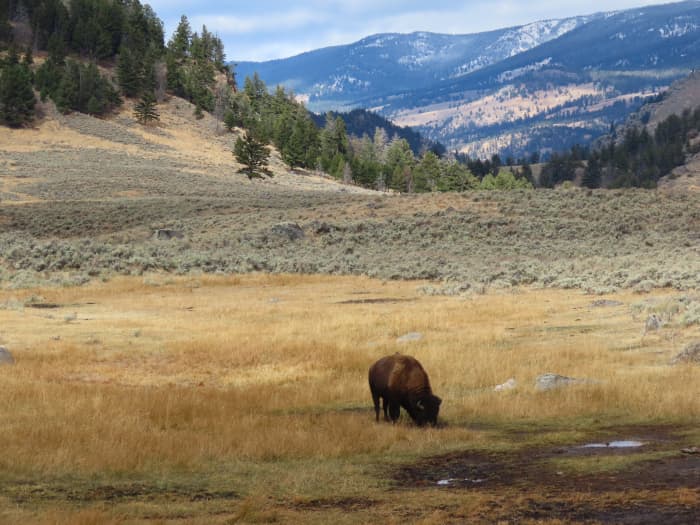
(401, 382)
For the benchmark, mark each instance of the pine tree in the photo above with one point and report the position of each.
(334, 145)
(399, 165)
(427, 173)
(5, 27)
(593, 174)
(129, 72)
(17, 98)
(230, 120)
(253, 154)
(179, 44)
(145, 111)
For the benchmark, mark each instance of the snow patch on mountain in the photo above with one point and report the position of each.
(507, 76)
(678, 29)
(339, 84)
(528, 36)
(519, 40)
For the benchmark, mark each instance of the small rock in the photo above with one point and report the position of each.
(289, 230)
(167, 235)
(690, 354)
(508, 385)
(551, 381)
(6, 357)
(411, 336)
(604, 303)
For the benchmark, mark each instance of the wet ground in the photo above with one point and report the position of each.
(652, 477)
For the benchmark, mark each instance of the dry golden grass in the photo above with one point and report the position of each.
(257, 384)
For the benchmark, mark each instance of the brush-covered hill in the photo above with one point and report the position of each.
(83, 196)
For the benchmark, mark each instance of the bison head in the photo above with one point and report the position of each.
(426, 410)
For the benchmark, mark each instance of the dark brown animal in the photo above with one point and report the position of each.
(400, 381)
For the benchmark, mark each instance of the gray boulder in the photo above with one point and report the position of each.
(690, 354)
(6, 357)
(551, 381)
(606, 303)
(289, 230)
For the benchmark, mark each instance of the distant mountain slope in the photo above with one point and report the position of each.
(541, 87)
(336, 77)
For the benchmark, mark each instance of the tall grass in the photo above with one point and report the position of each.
(177, 374)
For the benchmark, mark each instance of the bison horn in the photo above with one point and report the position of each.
(419, 404)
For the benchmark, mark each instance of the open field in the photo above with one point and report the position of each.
(212, 378)
(244, 399)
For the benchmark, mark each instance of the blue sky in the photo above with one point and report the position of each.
(265, 29)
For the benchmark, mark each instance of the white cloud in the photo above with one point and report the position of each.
(268, 29)
(268, 23)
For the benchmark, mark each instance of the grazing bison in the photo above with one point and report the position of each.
(401, 382)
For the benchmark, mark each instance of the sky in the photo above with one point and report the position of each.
(264, 29)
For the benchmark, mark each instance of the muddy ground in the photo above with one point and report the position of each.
(660, 482)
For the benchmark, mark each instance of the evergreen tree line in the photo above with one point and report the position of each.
(192, 61)
(639, 159)
(124, 32)
(379, 162)
(361, 121)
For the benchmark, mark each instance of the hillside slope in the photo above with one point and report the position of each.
(337, 77)
(82, 197)
(143, 161)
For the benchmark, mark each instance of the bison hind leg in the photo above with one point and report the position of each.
(385, 407)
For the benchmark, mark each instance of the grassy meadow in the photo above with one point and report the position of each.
(221, 376)
(245, 399)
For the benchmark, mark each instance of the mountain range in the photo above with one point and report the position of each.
(539, 87)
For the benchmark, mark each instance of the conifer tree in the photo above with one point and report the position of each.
(427, 173)
(17, 98)
(334, 146)
(593, 174)
(230, 120)
(129, 72)
(179, 44)
(5, 28)
(399, 165)
(145, 111)
(253, 154)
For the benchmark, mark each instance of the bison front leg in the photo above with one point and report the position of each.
(394, 411)
(375, 399)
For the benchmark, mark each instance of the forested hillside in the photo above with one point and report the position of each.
(96, 53)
